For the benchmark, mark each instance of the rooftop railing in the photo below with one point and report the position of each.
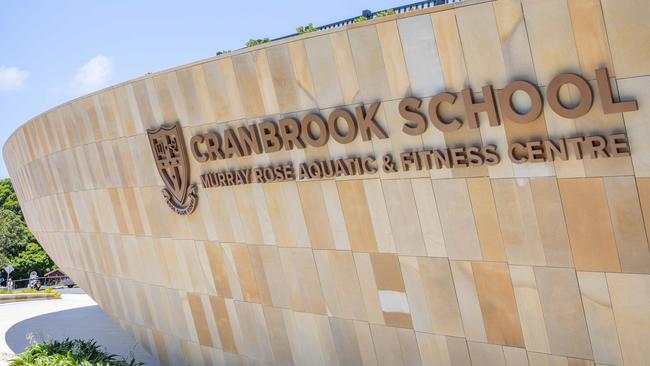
(367, 14)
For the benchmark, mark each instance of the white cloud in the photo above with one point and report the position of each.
(93, 75)
(12, 78)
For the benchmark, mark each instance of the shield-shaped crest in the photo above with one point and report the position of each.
(170, 155)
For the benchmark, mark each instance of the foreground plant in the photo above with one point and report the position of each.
(70, 352)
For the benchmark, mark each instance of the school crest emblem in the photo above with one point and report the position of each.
(170, 155)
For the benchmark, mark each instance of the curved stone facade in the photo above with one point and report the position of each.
(511, 263)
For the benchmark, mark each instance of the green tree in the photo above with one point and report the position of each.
(18, 246)
(4, 260)
(8, 199)
(14, 234)
(33, 258)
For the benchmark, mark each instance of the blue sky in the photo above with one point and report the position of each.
(54, 51)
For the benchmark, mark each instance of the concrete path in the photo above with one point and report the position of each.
(76, 315)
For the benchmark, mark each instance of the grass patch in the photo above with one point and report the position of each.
(70, 352)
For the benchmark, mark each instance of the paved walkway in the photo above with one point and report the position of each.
(76, 315)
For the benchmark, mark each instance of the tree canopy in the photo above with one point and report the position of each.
(33, 258)
(8, 199)
(18, 246)
(14, 234)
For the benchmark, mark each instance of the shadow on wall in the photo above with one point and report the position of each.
(85, 323)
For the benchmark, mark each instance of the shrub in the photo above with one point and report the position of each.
(69, 352)
(30, 291)
(307, 29)
(46, 291)
(360, 19)
(255, 42)
(385, 13)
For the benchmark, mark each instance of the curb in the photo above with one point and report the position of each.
(8, 298)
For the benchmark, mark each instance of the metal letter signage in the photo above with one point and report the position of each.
(170, 154)
(345, 126)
